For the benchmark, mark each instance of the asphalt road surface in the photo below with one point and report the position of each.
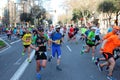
(13, 66)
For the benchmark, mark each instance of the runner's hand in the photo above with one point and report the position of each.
(49, 49)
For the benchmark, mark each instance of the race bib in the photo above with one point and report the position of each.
(57, 41)
(28, 38)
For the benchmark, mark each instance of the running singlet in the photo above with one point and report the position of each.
(41, 42)
(91, 38)
(27, 39)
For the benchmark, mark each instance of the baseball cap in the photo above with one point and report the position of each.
(116, 27)
(58, 26)
(40, 29)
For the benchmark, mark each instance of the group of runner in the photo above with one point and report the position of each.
(42, 40)
(110, 46)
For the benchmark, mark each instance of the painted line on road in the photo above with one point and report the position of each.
(4, 37)
(68, 48)
(22, 68)
(15, 41)
(5, 48)
(18, 62)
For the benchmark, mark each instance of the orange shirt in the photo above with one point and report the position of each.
(111, 43)
(108, 35)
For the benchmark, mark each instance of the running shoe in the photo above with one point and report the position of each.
(49, 59)
(58, 68)
(107, 68)
(82, 52)
(38, 76)
(29, 60)
(83, 46)
(93, 59)
(23, 53)
(111, 78)
(100, 68)
(96, 60)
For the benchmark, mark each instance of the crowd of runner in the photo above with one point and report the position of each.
(42, 40)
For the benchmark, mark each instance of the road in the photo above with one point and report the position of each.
(74, 65)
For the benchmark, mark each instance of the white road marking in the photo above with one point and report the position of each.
(22, 68)
(68, 48)
(15, 41)
(4, 37)
(18, 62)
(5, 48)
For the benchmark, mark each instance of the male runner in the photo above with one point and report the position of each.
(56, 46)
(107, 50)
(91, 42)
(40, 54)
(27, 39)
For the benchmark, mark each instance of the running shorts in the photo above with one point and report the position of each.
(56, 49)
(107, 55)
(40, 55)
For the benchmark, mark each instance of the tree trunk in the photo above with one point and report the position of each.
(116, 21)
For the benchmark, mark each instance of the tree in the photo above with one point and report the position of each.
(107, 7)
(117, 5)
(86, 7)
(38, 13)
(25, 17)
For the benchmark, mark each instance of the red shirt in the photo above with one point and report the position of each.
(71, 30)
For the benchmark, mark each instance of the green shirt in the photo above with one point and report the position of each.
(34, 39)
(83, 30)
(46, 37)
(91, 38)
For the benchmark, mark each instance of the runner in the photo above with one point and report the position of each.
(34, 37)
(49, 32)
(97, 35)
(71, 33)
(62, 32)
(76, 29)
(86, 35)
(27, 39)
(108, 35)
(83, 30)
(56, 46)
(41, 54)
(107, 51)
(9, 33)
(91, 43)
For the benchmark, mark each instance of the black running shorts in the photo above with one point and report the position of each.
(26, 46)
(107, 55)
(40, 55)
